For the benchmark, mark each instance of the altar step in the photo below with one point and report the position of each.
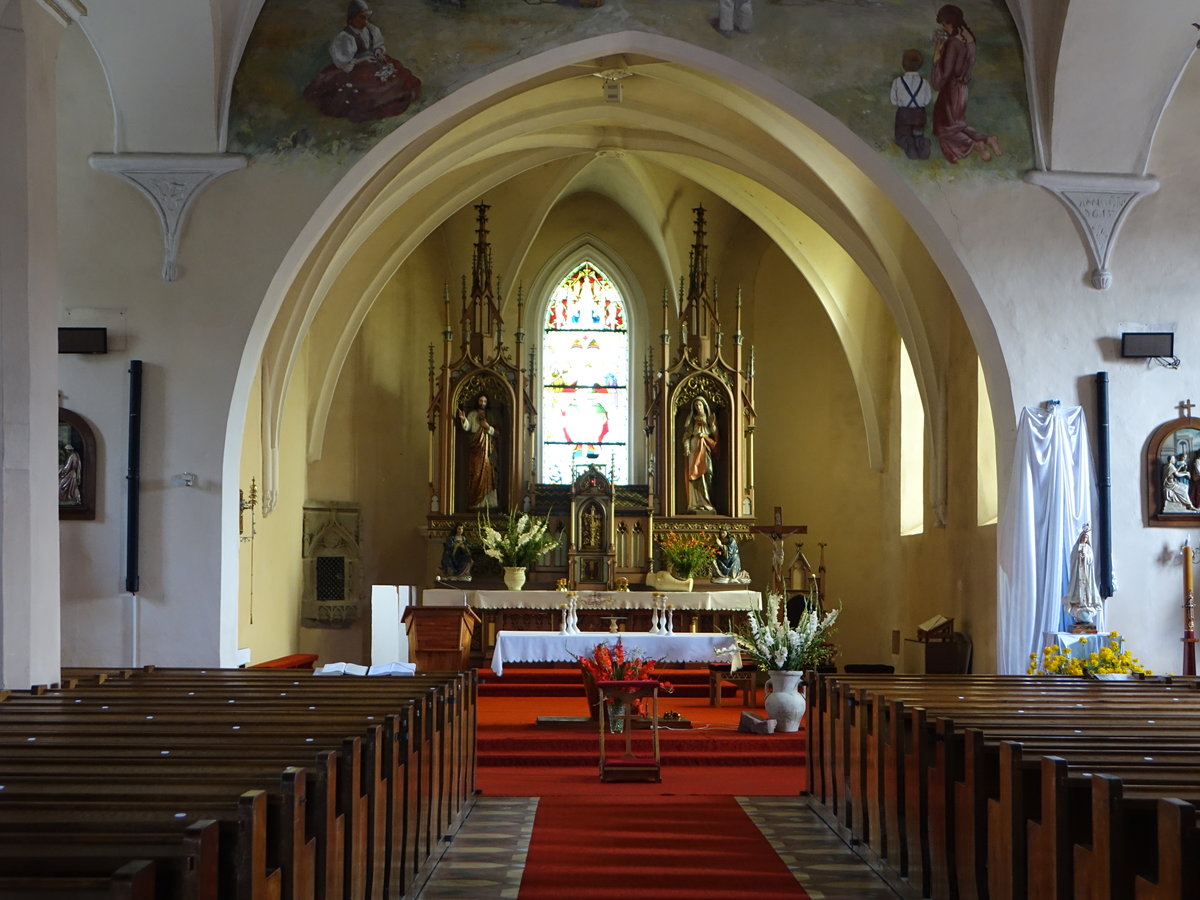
(521, 681)
(678, 749)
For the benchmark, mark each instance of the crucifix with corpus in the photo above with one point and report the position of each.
(776, 531)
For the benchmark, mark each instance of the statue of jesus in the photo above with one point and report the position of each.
(481, 463)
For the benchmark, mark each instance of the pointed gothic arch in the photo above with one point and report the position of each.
(588, 249)
(881, 230)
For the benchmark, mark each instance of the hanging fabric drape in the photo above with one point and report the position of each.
(1051, 496)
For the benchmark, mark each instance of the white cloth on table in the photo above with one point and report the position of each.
(1080, 646)
(550, 646)
(710, 601)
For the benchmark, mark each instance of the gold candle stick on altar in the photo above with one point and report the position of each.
(1187, 568)
(1189, 613)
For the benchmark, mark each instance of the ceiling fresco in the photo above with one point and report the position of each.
(328, 78)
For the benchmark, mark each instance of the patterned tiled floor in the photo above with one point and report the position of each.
(486, 859)
(820, 860)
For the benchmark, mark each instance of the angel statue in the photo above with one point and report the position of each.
(1082, 601)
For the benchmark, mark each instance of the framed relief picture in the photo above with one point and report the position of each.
(76, 467)
(1173, 473)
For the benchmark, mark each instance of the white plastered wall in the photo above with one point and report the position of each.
(1009, 241)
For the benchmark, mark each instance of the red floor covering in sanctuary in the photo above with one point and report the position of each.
(519, 758)
(677, 847)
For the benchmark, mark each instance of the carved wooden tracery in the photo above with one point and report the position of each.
(482, 364)
(700, 368)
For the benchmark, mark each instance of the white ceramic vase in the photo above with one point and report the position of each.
(785, 701)
(514, 577)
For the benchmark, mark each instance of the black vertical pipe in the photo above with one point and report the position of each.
(1103, 488)
(133, 477)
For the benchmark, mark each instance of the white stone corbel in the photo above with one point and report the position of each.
(64, 11)
(170, 181)
(1099, 203)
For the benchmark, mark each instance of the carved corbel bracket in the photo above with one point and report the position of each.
(170, 181)
(64, 11)
(1099, 204)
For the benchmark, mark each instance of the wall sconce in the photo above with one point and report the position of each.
(247, 501)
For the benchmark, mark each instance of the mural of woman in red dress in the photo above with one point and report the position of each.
(362, 83)
(953, 62)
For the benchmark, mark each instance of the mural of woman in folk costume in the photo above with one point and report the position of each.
(362, 83)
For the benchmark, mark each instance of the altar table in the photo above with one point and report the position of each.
(1079, 646)
(709, 601)
(551, 646)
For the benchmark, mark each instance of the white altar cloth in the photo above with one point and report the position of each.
(719, 601)
(550, 646)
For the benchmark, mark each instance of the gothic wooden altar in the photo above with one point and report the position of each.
(698, 424)
(700, 406)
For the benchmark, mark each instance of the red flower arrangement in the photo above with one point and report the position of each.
(613, 664)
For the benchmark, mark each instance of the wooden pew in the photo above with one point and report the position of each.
(905, 782)
(446, 740)
(429, 785)
(132, 881)
(185, 866)
(379, 759)
(1177, 863)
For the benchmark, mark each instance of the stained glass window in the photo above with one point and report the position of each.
(585, 370)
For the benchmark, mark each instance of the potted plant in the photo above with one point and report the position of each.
(1110, 662)
(612, 663)
(685, 557)
(785, 653)
(519, 542)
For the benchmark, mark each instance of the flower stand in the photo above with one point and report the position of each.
(628, 767)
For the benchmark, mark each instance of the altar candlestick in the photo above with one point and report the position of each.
(1189, 613)
(1187, 567)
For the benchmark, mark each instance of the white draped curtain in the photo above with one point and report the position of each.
(1051, 497)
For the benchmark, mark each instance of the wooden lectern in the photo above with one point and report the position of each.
(439, 637)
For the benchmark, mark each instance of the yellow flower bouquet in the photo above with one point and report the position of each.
(1110, 660)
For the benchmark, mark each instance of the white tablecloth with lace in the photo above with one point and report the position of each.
(710, 601)
(551, 646)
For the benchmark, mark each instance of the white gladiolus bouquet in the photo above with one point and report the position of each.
(521, 542)
(774, 647)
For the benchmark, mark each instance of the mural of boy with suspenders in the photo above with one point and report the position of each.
(910, 95)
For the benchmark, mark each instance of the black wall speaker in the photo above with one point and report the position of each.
(1141, 344)
(83, 340)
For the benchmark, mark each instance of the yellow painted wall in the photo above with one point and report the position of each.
(270, 574)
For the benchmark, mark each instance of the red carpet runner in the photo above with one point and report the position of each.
(656, 847)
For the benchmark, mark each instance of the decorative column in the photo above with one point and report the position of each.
(30, 643)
